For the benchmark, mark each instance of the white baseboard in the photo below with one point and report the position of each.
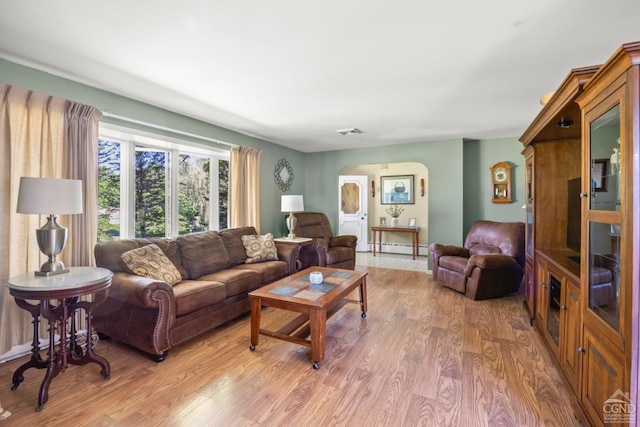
(22, 350)
(399, 248)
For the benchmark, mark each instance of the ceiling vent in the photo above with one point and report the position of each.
(351, 131)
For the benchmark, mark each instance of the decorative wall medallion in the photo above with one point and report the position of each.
(283, 174)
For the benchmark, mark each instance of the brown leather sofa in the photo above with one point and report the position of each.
(327, 250)
(153, 316)
(490, 265)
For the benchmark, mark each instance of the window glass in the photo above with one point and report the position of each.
(108, 190)
(150, 192)
(155, 186)
(193, 197)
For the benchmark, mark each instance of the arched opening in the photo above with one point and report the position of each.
(399, 243)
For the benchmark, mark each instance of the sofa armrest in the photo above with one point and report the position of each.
(345, 240)
(140, 291)
(288, 254)
(490, 262)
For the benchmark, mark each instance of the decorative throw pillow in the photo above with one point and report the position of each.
(260, 248)
(150, 261)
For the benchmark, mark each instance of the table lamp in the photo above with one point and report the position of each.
(49, 196)
(291, 204)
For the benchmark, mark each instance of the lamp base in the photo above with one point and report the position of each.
(292, 221)
(50, 273)
(51, 240)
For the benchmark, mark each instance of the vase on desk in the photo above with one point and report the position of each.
(394, 222)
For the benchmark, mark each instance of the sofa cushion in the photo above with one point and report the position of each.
(192, 295)
(260, 248)
(203, 253)
(150, 261)
(232, 238)
(269, 271)
(235, 280)
(109, 254)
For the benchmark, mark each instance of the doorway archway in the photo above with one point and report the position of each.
(377, 208)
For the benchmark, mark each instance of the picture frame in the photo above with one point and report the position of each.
(383, 220)
(599, 168)
(412, 222)
(397, 190)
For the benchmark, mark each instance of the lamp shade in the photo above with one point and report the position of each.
(291, 203)
(48, 196)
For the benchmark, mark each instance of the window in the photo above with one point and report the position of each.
(157, 186)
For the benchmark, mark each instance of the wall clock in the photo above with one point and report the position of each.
(283, 174)
(501, 183)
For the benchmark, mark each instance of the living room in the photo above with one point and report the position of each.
(459, 184)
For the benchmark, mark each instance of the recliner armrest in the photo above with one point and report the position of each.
(348, 241)
(489, 262)
(320, 244)
(438, 250)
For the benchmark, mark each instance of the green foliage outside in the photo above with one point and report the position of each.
(151, 182)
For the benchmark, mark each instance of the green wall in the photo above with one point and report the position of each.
(444, 162)
(270, 216)
(459, 180)
(479, 156)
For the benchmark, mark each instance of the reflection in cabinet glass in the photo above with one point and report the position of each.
(605, 160)
(604, 273)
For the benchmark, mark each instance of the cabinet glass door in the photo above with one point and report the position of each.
(604, 272)
(604, 217)
(553, 319)
(529, 208)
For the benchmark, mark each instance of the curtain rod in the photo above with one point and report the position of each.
(166, 129)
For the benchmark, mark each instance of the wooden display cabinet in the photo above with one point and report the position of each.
(590, 130)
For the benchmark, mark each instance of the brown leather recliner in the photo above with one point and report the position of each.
(490, 265)
(327, 250)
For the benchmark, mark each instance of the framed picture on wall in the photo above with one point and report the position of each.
(397, 190)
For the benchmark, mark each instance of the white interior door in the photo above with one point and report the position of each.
(353, 208)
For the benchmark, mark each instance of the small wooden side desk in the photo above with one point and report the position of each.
(63, 290)
(378, 229)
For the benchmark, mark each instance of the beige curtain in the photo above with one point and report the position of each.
(244, 187)
(81, 162)
(33, 142)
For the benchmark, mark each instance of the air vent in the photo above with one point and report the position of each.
(351, 131)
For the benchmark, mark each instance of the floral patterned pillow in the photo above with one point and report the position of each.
(150, 261)
(260, 248)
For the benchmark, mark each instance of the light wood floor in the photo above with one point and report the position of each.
(424, 356)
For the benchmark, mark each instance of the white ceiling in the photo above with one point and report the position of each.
(295, 71)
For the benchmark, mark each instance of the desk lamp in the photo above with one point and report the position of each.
(291, 204)
(49, 196)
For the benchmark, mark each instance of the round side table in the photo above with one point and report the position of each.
(58, 296)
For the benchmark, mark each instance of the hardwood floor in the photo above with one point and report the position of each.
(425, 355)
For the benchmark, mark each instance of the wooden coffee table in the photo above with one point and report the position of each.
(315, 303)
